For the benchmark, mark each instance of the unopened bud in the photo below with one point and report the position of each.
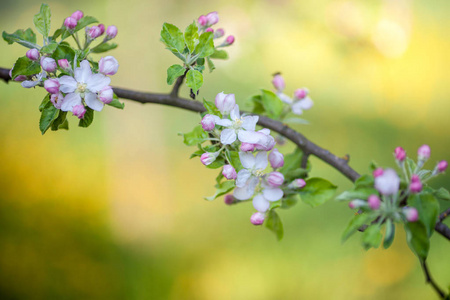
(257, 218)
(424, 152)
(94, 32)
(212, 18)
(202, 20)
(301, 93)
(377, 172)
(208, 122)
(229, 172)
(275, 179)
(77, 15)
(225, 102)
(411, 214)
(278, 82)
(374, 202)
(208, 158)
(64, 64)
(357, 204)
(52, 86)
(219, 33)
(276, 159)
(48, 64)
(229, 40)
(111, 32)
(33, 54)
(229, 199)
(102, 28)
(245, 147)
(106, 94)
(79, 111)
(108, 65)
(416, 185)
(209, 29)
(70, 23)
(442, 166)
(298, 183)
(400, 154)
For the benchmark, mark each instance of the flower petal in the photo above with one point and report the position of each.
(67, 84)
(29, 83)
(97, 82)
(228, 136)
(260, 203)
(69, 101)
(285, 98)
(250, 122)
(92, 101)
(306, 103)
(261, 160)
(83, 73)
(242, 177)
(273, 194)
(222, 122)
(297, 108)
(234, 114)
(250, 137)
(247, 160)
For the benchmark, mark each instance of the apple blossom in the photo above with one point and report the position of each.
(111, 32)
(424, 152)
(108, 65)
(64, 64)
(388, 183)
(300, 94)
(48, 64)
(33, 54)
(208, 158)
(57, 99)
(245, 147)
(225, 102)
(276, 159)
(248, 177)
(257, 218)
(212, 18)
(229, 172)
(79, 111)
(77, 15)
(261, 202)
(275, 179)
(35, 80)
(400, 154)
(94, 32)
(52, 86)
(70, 23)
(106, 94)
(208, 123)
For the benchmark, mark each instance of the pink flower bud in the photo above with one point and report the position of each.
(297, 184)
(424, 152)
(219, 33)
(111, 32)
(64, 64)
(48, 64)
(102, 28)
(257, 218)
(357, 204)
(208, 123)
(374, 202)
(208, 158)
(229, 40)
(415, 185)
(388, 183)
(229, 172)
(94, 32)
(301, 93)
(79, 111)
(278, 82)
(77, 15)
(229, 199)
(52, 86)
(400, 154)
(202, 20)
(411, 214)
(57, 99)
(70, 23)
(33, 54)
(275, 179)
(245, 147)
(276, 159)
(108, 65)
(442, 166)
(225, 102)
(377, 172)
(106, 94)
(209, 29)
(212, 18)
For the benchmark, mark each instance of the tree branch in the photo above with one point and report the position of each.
(430, 280)
(177, 85)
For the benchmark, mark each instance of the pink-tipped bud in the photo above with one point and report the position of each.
(275, 179)
(297, 184)
(108, 65)
(301, 93)
(64, 64)
(229, 172)
(70, 23)
(208, 122)
(225, 102)
(77, 15)
(52, 86)
(357, 203)
(106, 94)
(276, 159)
(48, 64)
(374, 202)
(278, 82)
(245, 147)
(424, 152)
(57, 99)
(33, 54)
(219, 33)
(377, 172)
(209, 29)
(229, 40)
(111, 32)
(94, 32)
(442, 166)
(229, 199)
(257, 218)
(212, 18)
(416, 185)
(102, 28)
(79, 111)
(202, 20)
(208, 158)
(411, 214)
(400, 154)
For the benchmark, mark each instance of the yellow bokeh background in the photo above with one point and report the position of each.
(116, 211)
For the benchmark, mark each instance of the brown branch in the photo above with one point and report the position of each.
(430, 280)
(444, 215)
(177, 85)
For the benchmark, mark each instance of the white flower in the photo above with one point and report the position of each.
(248, 178)
(388, 183)
(297, 106)
(36, 79)
(261, 202)
(85, 85)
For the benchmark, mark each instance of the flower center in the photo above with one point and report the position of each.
(34, 78)
(81, 88)
(258, 173)
(237, 123)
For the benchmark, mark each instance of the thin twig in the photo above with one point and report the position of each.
(430, 280)
(177, 85)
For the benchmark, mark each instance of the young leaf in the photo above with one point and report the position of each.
(44, 102)
(272, 104)
(25, 38)
(25, 66)
(205, 46)
(42, 20)
(50, 48)
(219, 54)
(191, 36)
(104, 47)
(211, 108)
(211, 65)
(372, 237)
(364, 181)
(357, 221)
(317, 191)
(64, 52)
(116, 103)
(172, 37)
(289, 201)
(60, 122)
(49, 114)
(258, 108)
(194, 80)
(389, 235)
(88, 118)
(361, 193)
(196, 136)
(173, 72)
(273, 222)
(417, 238)
(428, 208)
(442, 194)
(222, 189)
(235, 161)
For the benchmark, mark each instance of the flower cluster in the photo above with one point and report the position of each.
(300, 102)
(205, 23)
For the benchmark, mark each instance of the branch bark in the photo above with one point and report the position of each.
(431, 281)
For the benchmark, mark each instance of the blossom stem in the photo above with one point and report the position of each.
(75, 37)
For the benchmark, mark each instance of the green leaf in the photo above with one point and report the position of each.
(88, 118)
(25, 66)
(442, 194)
(389, 235)
(211, 65)
(361, 193)
(294, 174)
(417, 238)
(199, 68)
(205, 46)
(428, 208)
(49, 114)
(273, 222)
(104, 47)
(173, 72)
(44, 102)
(410, 165)
(64, 52)
(372, 237)
(191, 36)
(211, 108)
(25, 38)
(83, 22)
(219, 162)
(116, 103)
(233, 157)
(58, 32)
(219, 54)
(60, 122)
(272, 104)
(194, 80)
(42, 20)
(355, 223)
(196, 136)
(364, 181)
(172, 37)
(222, 189)
(258, 107)
(293, 161)
(289, 201)
(50, 48)
(317, 191)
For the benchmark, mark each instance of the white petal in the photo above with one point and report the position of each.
(250, 122)
(242, 193)
(261, 160)
(250, 137)
(260, 204)
(92, 101)
(247, 160)
(306, 103)
(285, 98)
(69, 101)
(67, 84)
(222, 122)
(265, 131)
(242, 177)
(29, 83)
(234, 114)
(297, 108)
(97, 82)
(273, 194)
(83, 73)
(228, 136)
